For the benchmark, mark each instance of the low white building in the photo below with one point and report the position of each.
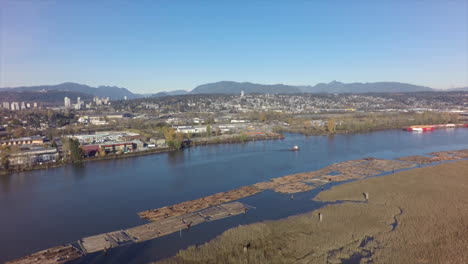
(190, 129)
(233, 121)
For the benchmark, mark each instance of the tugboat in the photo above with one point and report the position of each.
(295, 148)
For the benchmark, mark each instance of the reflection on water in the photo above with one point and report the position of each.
(175, 158)
(41, 209)
(5, 183)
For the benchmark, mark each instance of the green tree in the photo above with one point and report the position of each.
(208, 131)
(76, 153)
(4, 157)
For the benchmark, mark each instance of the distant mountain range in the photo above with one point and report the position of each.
(176, 92)
(376, 87)
(226, 87)
(462, 89)
(73, 90)
(114, 93)
(48, 97)
(229, 87)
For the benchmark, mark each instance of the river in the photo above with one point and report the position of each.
(41, 209)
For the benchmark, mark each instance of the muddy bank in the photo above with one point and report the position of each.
(415, 216)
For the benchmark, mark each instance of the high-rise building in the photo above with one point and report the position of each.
(35, 105)
(125, 98)
(28, 105)
(23, 106)
(15, 106)
(78, 103)
(6, 105)
(67, 101)
(242, 93)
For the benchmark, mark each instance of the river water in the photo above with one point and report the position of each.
(41, 209)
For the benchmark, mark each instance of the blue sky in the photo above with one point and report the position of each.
(151, 46)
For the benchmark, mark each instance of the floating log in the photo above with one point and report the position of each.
(200, 204)
(294, 187)
(103, 242)
(55, 255)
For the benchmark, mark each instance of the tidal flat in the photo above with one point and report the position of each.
(414, 216)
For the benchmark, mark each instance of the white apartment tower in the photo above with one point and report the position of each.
(15, 106)
(67, 101)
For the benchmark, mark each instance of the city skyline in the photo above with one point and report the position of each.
(161, 46)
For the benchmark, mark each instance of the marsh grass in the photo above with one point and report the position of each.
(430, 205)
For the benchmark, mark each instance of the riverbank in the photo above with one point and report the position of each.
(404, 221)
(205, 141)
(233, 139)
(50, 165)
(322, 132)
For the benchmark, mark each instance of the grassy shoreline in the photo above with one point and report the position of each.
(414, 216)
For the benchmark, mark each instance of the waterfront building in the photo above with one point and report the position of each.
(34, 156)
(111, 147)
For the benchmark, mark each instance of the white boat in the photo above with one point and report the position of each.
(296, 147)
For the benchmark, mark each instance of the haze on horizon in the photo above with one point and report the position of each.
(152, 46)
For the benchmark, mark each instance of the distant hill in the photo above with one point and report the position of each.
(176, 92)
(48, 96)
(227, 87)
(461, 89)
(223, 87)
(114, 93)
(376, 87)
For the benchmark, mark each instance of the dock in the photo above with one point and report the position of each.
(152, 230)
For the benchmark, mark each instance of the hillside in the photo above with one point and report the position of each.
(376, 87)
(223, 87)
(228, 87)
(462, 89)
(171, 93)
(48, 97)
(114, 93)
